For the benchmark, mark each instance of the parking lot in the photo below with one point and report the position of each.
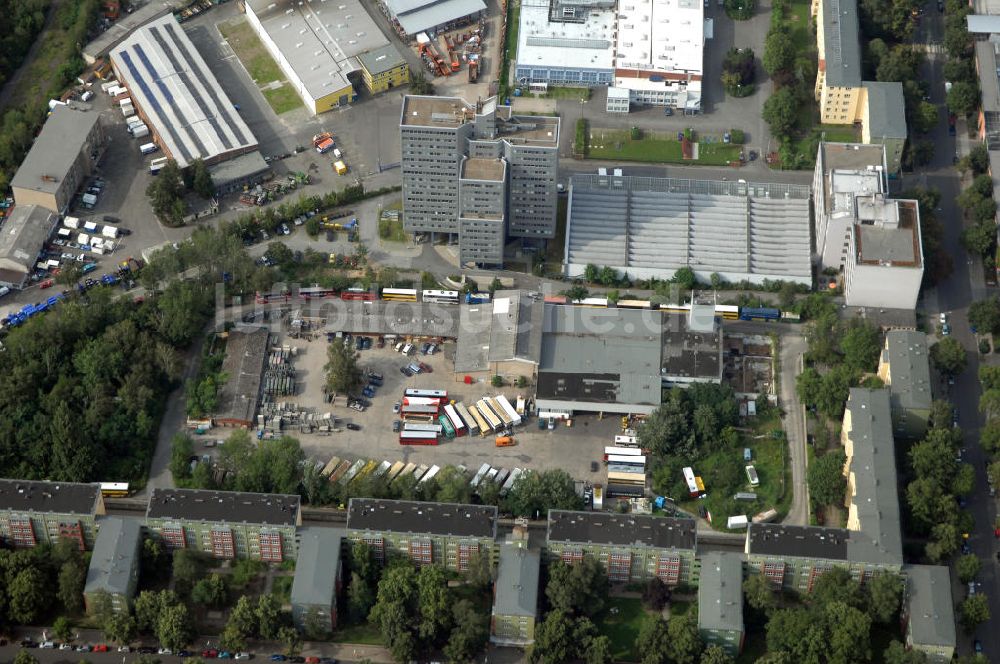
(571, 449)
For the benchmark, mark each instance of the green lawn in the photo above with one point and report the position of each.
(618, 145)
(365, 634)
(623, 627)
(282, 99)
(838, 133)
(799, 23)
(510, 46)
(724, 475)
(260, 65)
(560, 92)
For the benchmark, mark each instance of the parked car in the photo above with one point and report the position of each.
(185, 653)
(406, 371)
(47, 645)
(432, 349)
(101, 647)
(147, 650)
(225, 654)
(594, 467)
(298, 659)
(368, 392)
(351, 426)
(376, 376)
(395, 407)
(278, 658)
(65, 646)
(242, 655)
(164, 651)
(424, 348)
(425, 368)
(312, 660)
(396, 426)
(210, 653)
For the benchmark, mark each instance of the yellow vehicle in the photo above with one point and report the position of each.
(340, 167)
(505, 441)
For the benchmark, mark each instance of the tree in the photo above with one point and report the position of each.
(201, 179)
(715, 655)
(211, 591)
(979, 238)
(72, 579)
(279, 253)
(186, 567)
(682, 635)
(598, 650)
(759, 593)
(925, 117)
(989, 403)
(289, 636)
(470, 634)
(342, 371)
(24, 657)
(536, 492)
(655, 595)
(967, 567)
(885, 592)
(826, 480)
(897, 653)
(166, 195)
(799, 633)
(419, 85)
(653, 643)
(861, 346)
(554, 640)
(590, 273)
(28, 595)
(984, 315)
(836, 585)
(779, 52)
(62, 629)
(974, 611)
(781, 111)
(173, 627)
(360, 598)
(949, 356)
(576, 293)
(685, 279)
(433, 603)
(181, 451)
(580, 589)
(268, 617)
(849, 633)
(242, 623)
(963, 98)
(119, 627)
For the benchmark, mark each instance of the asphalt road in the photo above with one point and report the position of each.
(953, 295)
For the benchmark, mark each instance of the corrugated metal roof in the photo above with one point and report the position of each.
(419, 15)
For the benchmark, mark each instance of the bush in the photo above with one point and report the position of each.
(496, 381)
(581, 143)
(737, 136)
(740, 10)
(635, 133)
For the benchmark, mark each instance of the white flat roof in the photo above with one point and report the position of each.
(319, 38)
(588, 45)
(660, 35)
(169, 80)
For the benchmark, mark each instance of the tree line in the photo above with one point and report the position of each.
(82, 388)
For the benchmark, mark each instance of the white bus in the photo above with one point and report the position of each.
(626, 441)
(501, 401)
(430, 474)
(689, 479)
(485, 468)
(514, 474)
(621, 451)
(430, 394)
(456, 421)
(441, 296)
(626, 459)
(421, 426)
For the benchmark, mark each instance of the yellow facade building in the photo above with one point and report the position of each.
(383, 69)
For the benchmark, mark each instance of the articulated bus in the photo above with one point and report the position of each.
(470, 422)
(430, 394)
(357, 294)
(399, 294)
(456, 421)
(316, 291)
(114, 489)
(484, 426)
(440, 296)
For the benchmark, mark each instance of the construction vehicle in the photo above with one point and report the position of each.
(433, 60)
(505, 441)
(323, 142)
(340, 167)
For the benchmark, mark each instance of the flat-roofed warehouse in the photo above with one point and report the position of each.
(246, 353)
(21, 240)
(317, 46)
(178, 97)
(61, 158)
(652, 227)
(409, 17)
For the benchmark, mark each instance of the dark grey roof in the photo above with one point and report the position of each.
(909, 369)
(23, 235)
(621, 529)
(517, 581)
(246, 353)
(403, 516)
(767, 539)
(115, 556)
(886, 110)
(238, 169)
(720, 592)
(224, 506)
(929, 605)
(508, 328)
(381, 59)
(50, 497)
(842, 46)
(316, 567)
(873, 467)
(55, 149)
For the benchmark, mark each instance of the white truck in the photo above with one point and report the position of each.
(71, 222)
(140, 131)
(109, 232)
(157, 164)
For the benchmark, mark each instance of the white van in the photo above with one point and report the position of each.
(148, 148)
(407, 349)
